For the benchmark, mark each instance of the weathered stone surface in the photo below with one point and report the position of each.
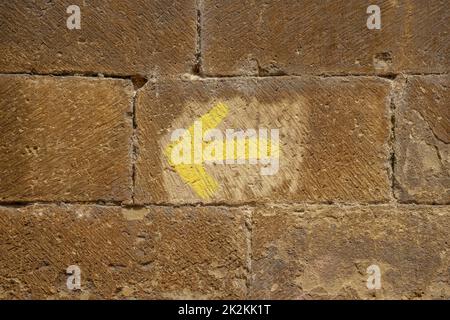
(315, 37)
(65, 139)
(156, 252)
(422, 148)
(334, 135)
(147, 37)
(324, 252)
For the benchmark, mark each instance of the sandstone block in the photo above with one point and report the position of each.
(65, 139)
(324, 37)
(333, 140)
(422, 148)
(141, 37)
(324, 252)
(155, 252)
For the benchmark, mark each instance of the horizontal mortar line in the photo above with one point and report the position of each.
(248, 205)
(72, 74)
(306, 75)
(197, 77)
(256, 204)
(19, 204)
(388, 76)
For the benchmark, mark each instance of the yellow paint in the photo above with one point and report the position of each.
(195, 175)
(249, 143)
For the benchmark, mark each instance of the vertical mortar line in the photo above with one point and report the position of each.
(396, 94)
(197, 69)
(392, 138)
(134, 147)
(139, 82)
(249, 248)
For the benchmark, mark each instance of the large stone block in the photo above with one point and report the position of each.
(324, 37)
(422, 150)
(155, 252)
(146, 37)
(65, 139)
(324, 252)
(333, 140)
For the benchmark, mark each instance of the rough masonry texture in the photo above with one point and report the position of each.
(331, 37)
(65, 139)
(86, 123)
(331, 129)
(323, 252)
(423, 138)
(153, 252)
(140, 37)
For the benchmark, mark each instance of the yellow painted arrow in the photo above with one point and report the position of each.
(194, 174)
